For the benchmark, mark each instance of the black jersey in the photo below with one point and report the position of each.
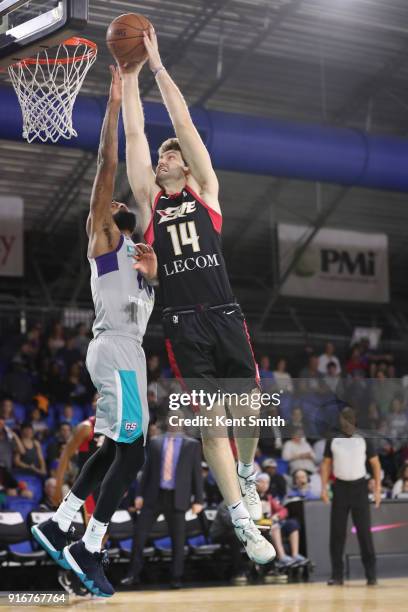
(186, 234)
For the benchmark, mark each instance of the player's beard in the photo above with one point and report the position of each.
(125, 220)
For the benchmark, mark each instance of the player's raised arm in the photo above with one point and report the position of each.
(192, 146)
(138, 161)
(101, 229)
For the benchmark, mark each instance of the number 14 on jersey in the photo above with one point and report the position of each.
(183, 235)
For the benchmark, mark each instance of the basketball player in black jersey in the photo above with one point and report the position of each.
(206, 335)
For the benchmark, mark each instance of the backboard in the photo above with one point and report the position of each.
(27, 26)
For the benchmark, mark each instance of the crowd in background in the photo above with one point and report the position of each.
(46, 391)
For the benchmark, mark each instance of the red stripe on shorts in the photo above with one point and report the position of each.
(176, 370)
(257, 377)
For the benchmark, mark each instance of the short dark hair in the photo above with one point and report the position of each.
(171, 144)
(349, 415)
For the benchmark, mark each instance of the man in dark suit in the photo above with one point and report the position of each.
(171, 476)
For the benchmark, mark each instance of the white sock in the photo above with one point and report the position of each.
(94, 535)
(245, 469)
(238, 511)
(67, 510)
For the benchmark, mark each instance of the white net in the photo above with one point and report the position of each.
(47, 88)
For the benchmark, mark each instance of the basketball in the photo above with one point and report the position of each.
(125, 38)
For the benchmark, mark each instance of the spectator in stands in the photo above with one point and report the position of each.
(302, 486)
(329, 357)
(7, 413)
(280, 525)
(53, 382)
(332, 378)
(371, 490)
(153, 430)
(17, 382)
(297, 418)
(222, 532)
(356, 362)
(277, 482)
(34, 338)
(383, 392)
(38, 424)
(311, 378)
(385, 449)
(266, 374)
(9, 443)
(30, 457)
(10, 487)
(397, 422)
(356, 393)
(8, 484)
(318, 449)
(404, 491)
(283, 380)
(47, 502)
(76, 387)
(157, 410)
(67, 415)
(69, 353)
(270, 438)
(56, 341)
(373, 418)
(298, 452)
(81, 340)
(153, 368)
(401, 483)
(28, 356)
(55, 446)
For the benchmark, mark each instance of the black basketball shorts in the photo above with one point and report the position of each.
(211, 346)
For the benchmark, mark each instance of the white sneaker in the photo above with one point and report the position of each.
(250, 496)
(258, 549)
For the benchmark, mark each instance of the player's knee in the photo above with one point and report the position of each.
(132, 459)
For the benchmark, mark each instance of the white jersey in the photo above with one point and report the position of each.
(122, 298)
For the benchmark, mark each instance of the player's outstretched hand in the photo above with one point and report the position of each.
(115, 94)
(146, 261)
(152, 48)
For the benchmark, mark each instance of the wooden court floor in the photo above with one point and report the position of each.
(389, 596)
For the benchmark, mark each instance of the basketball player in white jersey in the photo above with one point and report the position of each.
(123, 302)
(206, 334)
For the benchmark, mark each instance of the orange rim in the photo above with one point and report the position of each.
(71, 42)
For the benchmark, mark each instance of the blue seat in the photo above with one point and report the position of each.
(197, 540)
(34, 483)
(20, 412)
(162, 543)
(19, 504)
(126, 544)
(21, 547)
(51, 418)
(283, 466)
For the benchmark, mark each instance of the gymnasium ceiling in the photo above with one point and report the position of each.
(341, 62)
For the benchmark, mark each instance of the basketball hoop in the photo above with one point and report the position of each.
(47, 88)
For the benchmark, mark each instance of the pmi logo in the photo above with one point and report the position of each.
(337, 262)
(344, 262)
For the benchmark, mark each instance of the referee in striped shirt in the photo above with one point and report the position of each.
(346, 455)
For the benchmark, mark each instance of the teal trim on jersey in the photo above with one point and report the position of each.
(131, 426)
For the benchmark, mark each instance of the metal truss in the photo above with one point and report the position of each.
(272, 23)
